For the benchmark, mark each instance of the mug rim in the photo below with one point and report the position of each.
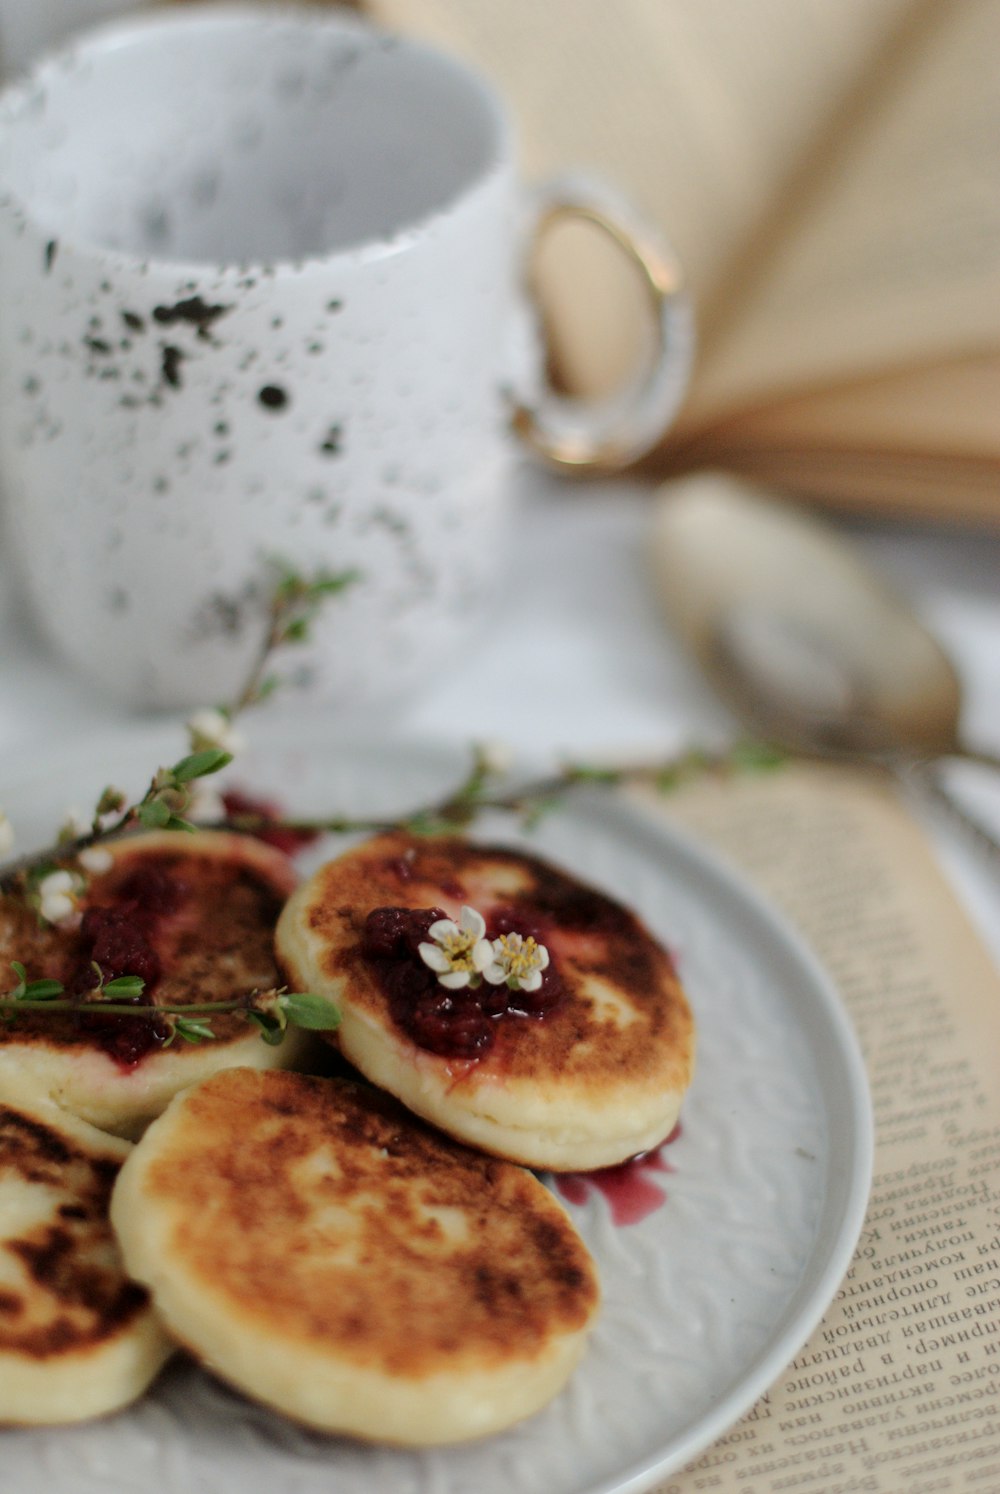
(109, 36)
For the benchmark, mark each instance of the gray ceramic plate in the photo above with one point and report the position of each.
(706, 1299)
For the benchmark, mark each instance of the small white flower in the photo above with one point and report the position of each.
(206, 803)
(6, 835)
(459, 953)
(516, 962)
(211, 728)
(96, 859)
(495, 757)
(57, 896)
(73, 826)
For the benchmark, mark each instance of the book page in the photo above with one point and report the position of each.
(702, 113)
(947, 407)
(891, 256)
(846, 478)
(897, 1389)
(921, 442)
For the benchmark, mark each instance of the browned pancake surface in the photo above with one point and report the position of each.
(75, 1296)
(594, 942)
(216, 942)
(321, 1205)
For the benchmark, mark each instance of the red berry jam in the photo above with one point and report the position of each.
(631, 1193)
(395, 933)
(116, 939)
(237, 803)
(453, 1024)
(124, 1039)
(155, 890)
(119, 938)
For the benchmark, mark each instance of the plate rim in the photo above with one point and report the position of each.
(800, 1318)
(831, 1251)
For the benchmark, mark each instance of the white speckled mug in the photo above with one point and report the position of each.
(260, 277)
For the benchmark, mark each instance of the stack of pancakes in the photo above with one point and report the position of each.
(388, 1270)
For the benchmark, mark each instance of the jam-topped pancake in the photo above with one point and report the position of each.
(333, 1257)
(77, 1337)
(569, 1044)
(193, 915)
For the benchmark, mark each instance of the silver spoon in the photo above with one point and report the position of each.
(811, 649)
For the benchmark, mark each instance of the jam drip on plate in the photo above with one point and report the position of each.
(453, 1024)
(631, 1193)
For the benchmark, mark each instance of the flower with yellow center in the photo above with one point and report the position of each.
(517, 962)
(459, 952)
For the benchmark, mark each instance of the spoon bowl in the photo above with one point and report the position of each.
(812, 649)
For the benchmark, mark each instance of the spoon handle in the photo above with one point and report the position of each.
(930, 783)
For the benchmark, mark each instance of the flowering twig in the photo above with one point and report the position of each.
(485, 789)
(295, 603)
(273, 1011)
(169, 797)
(52, 878)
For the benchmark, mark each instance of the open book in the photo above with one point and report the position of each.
(896, 1389)
(829, 174)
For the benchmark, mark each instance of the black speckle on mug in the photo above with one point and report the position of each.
(332, 443)
(97, 345)
(31, 385)
(222, 456)
(170, 367)
(226, 615)
(193, 310)
(273, 397)
(51, 249)
(315, 347)
(133, 321)
(334, 305)
(161, 485)
(277, 321)
(119, 599)
(221, 428)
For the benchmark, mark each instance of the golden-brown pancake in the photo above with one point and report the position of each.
(77, 1338)
(596, 1078)
(192, 913)
(328, 1254)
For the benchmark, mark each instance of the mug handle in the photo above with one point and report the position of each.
(591, 436)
